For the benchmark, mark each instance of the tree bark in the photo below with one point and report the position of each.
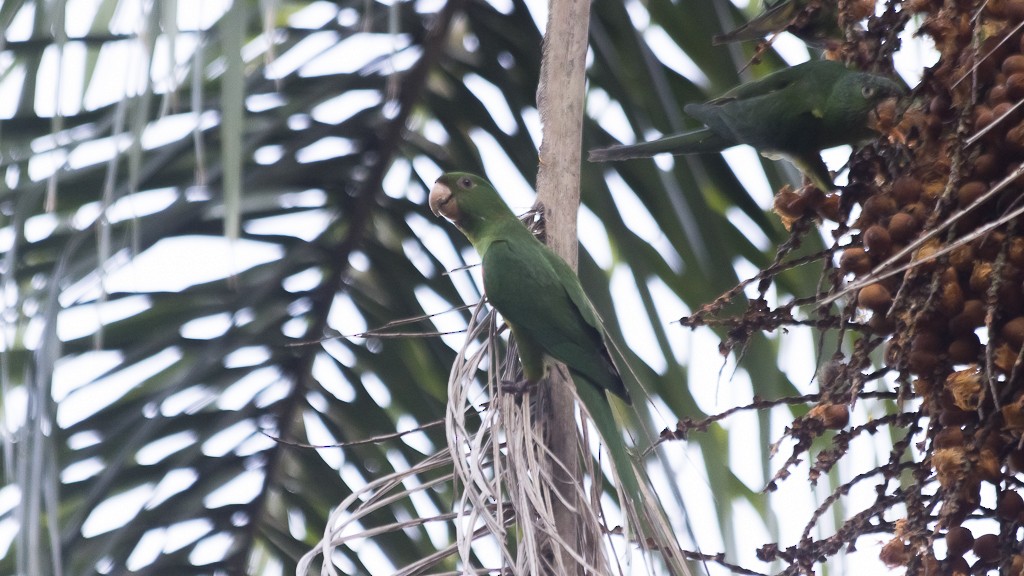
(560, 99)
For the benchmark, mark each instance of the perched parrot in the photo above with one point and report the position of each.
(536, 292)
(542, 301)
(794, 113)
(816, 22)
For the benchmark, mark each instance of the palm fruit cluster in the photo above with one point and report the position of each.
(939, 282)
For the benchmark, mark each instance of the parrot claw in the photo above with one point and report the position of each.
(517, 388)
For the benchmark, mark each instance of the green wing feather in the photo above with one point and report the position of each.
(821, 72)
(540, 296)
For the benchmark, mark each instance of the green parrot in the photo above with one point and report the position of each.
(536, 292)
(795, 113)
(542, 301)
(816, 22)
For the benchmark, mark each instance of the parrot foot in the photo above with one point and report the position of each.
(517, 388)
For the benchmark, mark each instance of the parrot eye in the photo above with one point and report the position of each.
(465, 182)
(867, 91)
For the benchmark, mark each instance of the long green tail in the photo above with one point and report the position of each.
(597, 403)
(696, 142)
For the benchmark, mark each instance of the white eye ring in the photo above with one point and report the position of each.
(867, 91)
(465, 182)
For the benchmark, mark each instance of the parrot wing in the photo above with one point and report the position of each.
(780, 113)
(817, 73)
(539, 294)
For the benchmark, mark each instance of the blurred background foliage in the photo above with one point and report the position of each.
(205, 205)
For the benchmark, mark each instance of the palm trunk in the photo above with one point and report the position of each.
(560, 100)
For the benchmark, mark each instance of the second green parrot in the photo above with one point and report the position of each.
(795, 113)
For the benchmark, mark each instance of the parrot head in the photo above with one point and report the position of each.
(468, 201)
(857, 97)
(875, 88)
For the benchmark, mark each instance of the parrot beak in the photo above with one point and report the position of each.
(885, 117)
(441, 202)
